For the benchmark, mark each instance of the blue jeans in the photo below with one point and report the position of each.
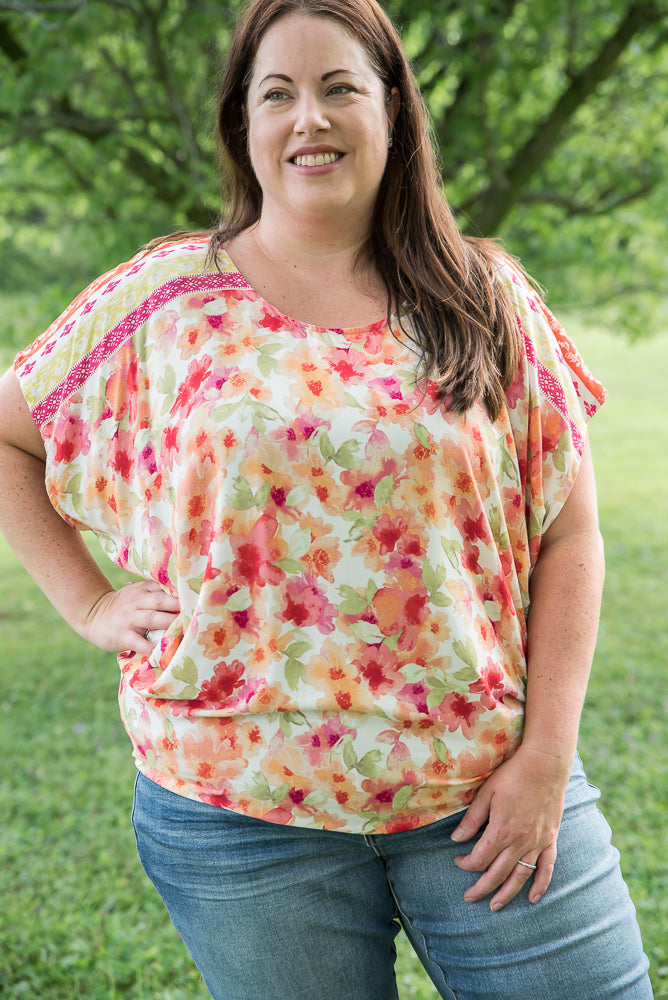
(269, 911)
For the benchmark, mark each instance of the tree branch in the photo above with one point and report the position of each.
(489, 208)
(603, 204)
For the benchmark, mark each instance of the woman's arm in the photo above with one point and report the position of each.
(55, 554)
(522, 801)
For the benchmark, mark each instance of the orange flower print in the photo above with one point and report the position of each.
(401, 611)
(310, 384)
(324, 552)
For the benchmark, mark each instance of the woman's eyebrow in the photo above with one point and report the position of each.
(324, 77)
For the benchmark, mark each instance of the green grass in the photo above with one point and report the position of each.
(78, 918)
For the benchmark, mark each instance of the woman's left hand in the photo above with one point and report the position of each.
(521, 802)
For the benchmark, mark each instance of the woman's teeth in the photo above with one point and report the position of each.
(316, 160)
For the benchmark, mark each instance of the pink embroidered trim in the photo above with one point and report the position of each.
(47, 408)
(552, 389)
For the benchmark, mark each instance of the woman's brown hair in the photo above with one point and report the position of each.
(462, 322)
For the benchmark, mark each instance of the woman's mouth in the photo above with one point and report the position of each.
(316, 159)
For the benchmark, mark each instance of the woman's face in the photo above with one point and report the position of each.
(318, 122)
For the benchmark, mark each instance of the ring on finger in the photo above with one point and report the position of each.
(527, 865)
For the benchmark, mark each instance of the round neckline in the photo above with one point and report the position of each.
(350, 332)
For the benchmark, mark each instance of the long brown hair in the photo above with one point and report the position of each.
(462, 322)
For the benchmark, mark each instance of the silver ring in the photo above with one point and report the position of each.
(527, 865)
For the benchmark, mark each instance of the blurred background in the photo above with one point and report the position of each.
(550, 116)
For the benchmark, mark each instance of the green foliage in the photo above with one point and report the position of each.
(549, 117)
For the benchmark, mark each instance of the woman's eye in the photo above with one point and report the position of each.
(274, 96)
(340, 88)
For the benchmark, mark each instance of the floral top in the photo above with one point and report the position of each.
(352, 560)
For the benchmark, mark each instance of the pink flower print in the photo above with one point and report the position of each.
(293, 438)
(390, 385)
(318, 743)
(226, 679)
(491, 685)
(122, 458)
(348, 364)
(255, 554)
(378, 665)
(198, 371)
(456, 712)
(306, 605)
(71, 438)
(272, 322)
(415, 694)
(388, 532)
(362, 484)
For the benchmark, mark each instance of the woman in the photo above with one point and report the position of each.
(369, 555)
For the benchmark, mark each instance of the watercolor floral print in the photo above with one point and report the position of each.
(352, 561)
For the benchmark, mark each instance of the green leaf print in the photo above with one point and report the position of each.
(240, 600)
(370, 764)
(466, 651)
(371, 591)
(349, 755)
(452, 549)
(391, 641)
(289, 565)
(297, 496)
(559, 455)
(297, 649)
(353, 603)
(367, 632)
(299, 543)
(262, 496)
(267, 365)
(436, 696)
(383, 491)
(466, 675)
(185, 671)
(346, 456)
(326, 446)
(243, 498)
(422, 434)
(509, 468)
(166, 383)
(433, 579)
(279, 793)
(295, 671)
(440, 599)
(316, 798)
(259, 786)
(402, 797)
(440, 750)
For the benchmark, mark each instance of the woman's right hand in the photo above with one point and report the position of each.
(120, 619)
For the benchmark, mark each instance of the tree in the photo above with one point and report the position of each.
(549, 117)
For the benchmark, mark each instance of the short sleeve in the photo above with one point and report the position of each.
(549, 405)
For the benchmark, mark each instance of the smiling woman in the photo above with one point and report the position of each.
(319, 120)
(344, 450)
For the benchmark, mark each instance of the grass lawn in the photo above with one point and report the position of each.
(78, 918)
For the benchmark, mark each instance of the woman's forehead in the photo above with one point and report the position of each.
(297, 42)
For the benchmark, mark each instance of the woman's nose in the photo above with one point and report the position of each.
(311, 116)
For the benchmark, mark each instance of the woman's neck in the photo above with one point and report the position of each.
(309, 243)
